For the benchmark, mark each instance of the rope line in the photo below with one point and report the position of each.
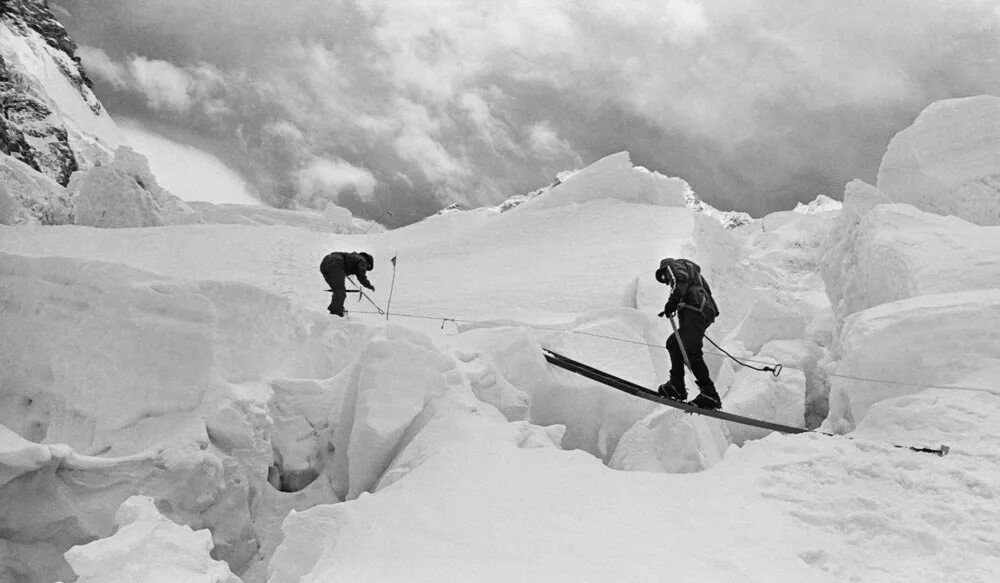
(639, 343)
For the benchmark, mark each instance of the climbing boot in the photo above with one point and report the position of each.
(673, 390)
(707, 400)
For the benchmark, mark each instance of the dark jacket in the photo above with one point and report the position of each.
(347, 263)
(690, 290)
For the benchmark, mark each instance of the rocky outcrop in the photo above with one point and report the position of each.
(50, 119)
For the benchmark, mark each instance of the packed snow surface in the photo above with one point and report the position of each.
(196, 365)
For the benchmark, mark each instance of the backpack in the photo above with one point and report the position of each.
(699, 295)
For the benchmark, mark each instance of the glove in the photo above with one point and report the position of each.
(669, 313)
(371, 287)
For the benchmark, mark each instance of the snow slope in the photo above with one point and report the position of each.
(195, 364)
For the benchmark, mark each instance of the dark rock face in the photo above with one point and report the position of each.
(29, 130)
(35, 14)
(28, 134)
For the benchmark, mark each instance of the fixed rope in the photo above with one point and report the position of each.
(774, 369)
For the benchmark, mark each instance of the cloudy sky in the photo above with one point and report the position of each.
(410, 105)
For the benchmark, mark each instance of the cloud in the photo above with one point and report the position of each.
(187, 172)
(101, 66)
(757, 103)
(546, 142)
(324, 179)
(164, 85)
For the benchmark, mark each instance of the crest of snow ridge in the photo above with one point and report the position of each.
(615, 177)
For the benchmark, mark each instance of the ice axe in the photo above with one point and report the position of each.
(673, 324)
(677, 335)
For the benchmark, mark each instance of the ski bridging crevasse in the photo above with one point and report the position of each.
(631, 388)
(644, 393)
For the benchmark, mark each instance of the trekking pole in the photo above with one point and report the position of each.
(361, 294)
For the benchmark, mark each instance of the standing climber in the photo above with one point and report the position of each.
(691, 299)
(335, 268)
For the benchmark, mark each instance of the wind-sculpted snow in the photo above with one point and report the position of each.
(927, 340)
(395, 377)
(595, 416)
(334, 220)
(948, 161)
(893, 252)
(148, 548)
(820, 204)
(777, 399)
(667, 440)
(615, 177)
(125, 193)
(162, 379)
(31, 197)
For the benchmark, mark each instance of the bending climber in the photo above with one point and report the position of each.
(335, 268)
(691, 299)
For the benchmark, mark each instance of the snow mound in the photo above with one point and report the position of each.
(595, 415)
(404, 401)
(728, 219)
(70, 324)
(948, 161)
(928, 340)
(394, 378)
(30, 196)
(125, 194)
(148, 548)
(881, 253)
(613, 176)
(780, 400)
(667, 440)
(166, 380)
(821, 204)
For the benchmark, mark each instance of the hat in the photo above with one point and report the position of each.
(369, 259)
(663, 274)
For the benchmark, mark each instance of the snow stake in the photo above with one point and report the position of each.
(392, 286)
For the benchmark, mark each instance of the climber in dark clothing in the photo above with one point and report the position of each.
(691, 299)
(335, 268)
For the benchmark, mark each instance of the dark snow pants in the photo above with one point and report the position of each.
(332, 268)
(691, 328)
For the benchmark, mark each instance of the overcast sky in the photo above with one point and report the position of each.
(410, 105)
